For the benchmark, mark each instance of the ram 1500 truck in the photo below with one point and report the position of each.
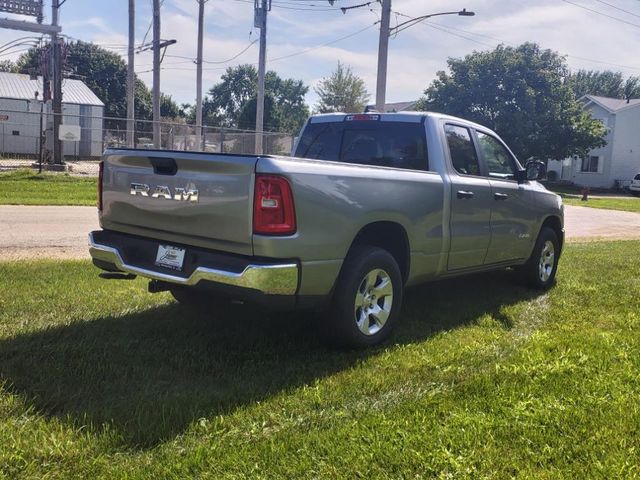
(368, 204)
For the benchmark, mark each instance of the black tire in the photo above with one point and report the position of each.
(538, 272)
(366, 269)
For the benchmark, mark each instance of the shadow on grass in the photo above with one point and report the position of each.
(150, 374)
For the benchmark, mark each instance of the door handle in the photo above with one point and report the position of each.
(465, 194)
(500, 196)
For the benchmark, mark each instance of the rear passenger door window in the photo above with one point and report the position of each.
(462, 150)
(367, 142)
(500, 163)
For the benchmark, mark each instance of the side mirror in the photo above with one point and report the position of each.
(533, 170)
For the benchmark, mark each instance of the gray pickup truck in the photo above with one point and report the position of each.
(368, 204)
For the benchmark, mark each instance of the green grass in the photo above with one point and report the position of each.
(25, 187)
(571, 196)
(484, 378)
(628, 204)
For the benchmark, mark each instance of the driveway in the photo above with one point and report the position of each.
(61, 232)
(584, 223)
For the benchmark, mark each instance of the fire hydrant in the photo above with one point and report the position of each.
(585, 193)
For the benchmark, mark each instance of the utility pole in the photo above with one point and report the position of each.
(131, 78)
(199, 129)
(156, 75)
(383, 48)
(56, 63)
(383, 53)
(261, 9)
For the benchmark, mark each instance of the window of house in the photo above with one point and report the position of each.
(499, 161)
(463, 153)
(590, 164)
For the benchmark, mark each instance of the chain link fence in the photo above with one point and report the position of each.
(26, 140)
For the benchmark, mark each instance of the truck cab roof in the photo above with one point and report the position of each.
(410, 117)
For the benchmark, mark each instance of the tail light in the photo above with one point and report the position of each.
(273, 209)
(100, 175)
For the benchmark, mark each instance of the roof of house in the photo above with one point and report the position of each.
(396, 107)
(22, 87)
(612, 104)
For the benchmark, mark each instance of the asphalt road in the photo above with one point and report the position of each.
(28, 232)
(31, 232)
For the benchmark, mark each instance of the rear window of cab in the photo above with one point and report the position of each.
(369, 142)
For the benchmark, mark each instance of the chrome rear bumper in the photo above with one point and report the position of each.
(278, 279)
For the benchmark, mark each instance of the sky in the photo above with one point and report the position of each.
(307, 38)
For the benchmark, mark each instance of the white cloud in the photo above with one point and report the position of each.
(415, 55)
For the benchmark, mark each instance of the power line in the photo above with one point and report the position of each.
(301, 52)
(301, 7)
(284, 57)
(618, 8)
(597, 12)
(446, 29)
(215, 62)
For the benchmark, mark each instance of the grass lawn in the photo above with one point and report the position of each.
(484, 378)
(572, 196)
(628, 204)
(26, 187)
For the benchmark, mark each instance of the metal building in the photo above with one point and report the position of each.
(23, 117)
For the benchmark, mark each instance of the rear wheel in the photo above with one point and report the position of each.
(367, 299)
(540, 271)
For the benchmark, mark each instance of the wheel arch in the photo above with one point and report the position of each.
(554, 223)
(390, 236)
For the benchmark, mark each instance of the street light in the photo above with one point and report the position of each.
(409, 23)
(383, 47)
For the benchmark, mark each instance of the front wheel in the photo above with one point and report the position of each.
(367, 299)
(540, 270)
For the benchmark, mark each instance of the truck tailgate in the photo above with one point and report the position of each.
(198, 199)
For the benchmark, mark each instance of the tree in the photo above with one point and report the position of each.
(605, 84)
(7, 66)
(290, 110)
(247, 117)
(343, 91)
(105, 73)
(227, 100)
(169, 109)
(631, 88)
(523, 95)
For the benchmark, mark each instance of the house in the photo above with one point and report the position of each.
(23, 117)
(615, 164)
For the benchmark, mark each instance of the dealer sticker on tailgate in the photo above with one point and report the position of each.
(170, 257)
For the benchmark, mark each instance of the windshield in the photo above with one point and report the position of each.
(388, 144)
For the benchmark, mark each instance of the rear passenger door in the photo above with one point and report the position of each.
(471, 200)
(512, 213)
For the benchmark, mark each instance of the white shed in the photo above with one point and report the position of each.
(23, 117)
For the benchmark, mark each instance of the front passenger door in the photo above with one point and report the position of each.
(470, 223)
(512, 214)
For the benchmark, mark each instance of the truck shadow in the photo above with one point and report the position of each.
(149, 375)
